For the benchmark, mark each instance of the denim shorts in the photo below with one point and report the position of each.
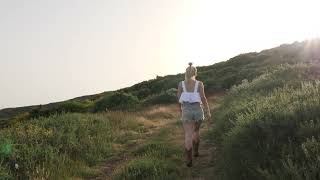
(192, 112)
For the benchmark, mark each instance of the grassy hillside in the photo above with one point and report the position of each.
(67, 145)
(267, 126)
(217, 77)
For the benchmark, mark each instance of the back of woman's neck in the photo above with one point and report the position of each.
(190, 80)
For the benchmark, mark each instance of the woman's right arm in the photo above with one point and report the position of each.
(179, 91)
(179, 94)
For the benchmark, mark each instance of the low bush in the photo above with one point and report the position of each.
(3, 123)
(75, 106)
(167, 97)
(269, 128)
(241, 97)
(117, 101)
(70, 106)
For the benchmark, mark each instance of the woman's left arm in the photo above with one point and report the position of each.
(204, 100)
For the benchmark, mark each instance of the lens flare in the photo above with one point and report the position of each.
(6, 149)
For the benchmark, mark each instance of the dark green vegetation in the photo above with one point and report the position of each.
(116, 101)
(269, 128)
(266, 128)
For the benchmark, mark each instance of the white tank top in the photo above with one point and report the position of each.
(190, 97)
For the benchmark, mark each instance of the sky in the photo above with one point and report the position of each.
(54, 50)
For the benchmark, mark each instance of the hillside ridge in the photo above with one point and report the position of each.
(217, 77)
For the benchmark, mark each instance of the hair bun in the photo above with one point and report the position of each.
(190, 63)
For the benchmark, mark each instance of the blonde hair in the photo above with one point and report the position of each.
(191, 72)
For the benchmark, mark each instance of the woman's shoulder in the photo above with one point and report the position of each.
(200, 82)
(201, 85)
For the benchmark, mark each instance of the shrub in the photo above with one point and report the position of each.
(75, 106)
(143, 93)
(3, 123)
(167, 97)
(240, 98)
(71, 106)
(264, 127)
(305, 168)
(117, 101)
(20, 118)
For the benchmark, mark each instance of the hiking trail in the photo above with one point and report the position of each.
(202, 168)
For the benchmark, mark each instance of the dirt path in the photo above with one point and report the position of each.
(155, 119)
(202, 168)
(108, 168)
(203, 165)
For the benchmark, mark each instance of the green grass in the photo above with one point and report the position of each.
(157, 159)
(148, 168)
(62, 146)
(269, 128)
(157, 149)
(266, 128)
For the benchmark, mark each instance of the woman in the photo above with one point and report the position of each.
(192, 98)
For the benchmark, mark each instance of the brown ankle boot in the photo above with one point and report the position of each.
(189, 157)
(195, 148)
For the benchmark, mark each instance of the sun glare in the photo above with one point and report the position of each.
(138, 39)
(215, 31)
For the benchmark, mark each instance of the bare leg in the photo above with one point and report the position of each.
(196, 136)
(196, 139)
(188, 132)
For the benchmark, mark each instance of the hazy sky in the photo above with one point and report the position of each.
(52, 50)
